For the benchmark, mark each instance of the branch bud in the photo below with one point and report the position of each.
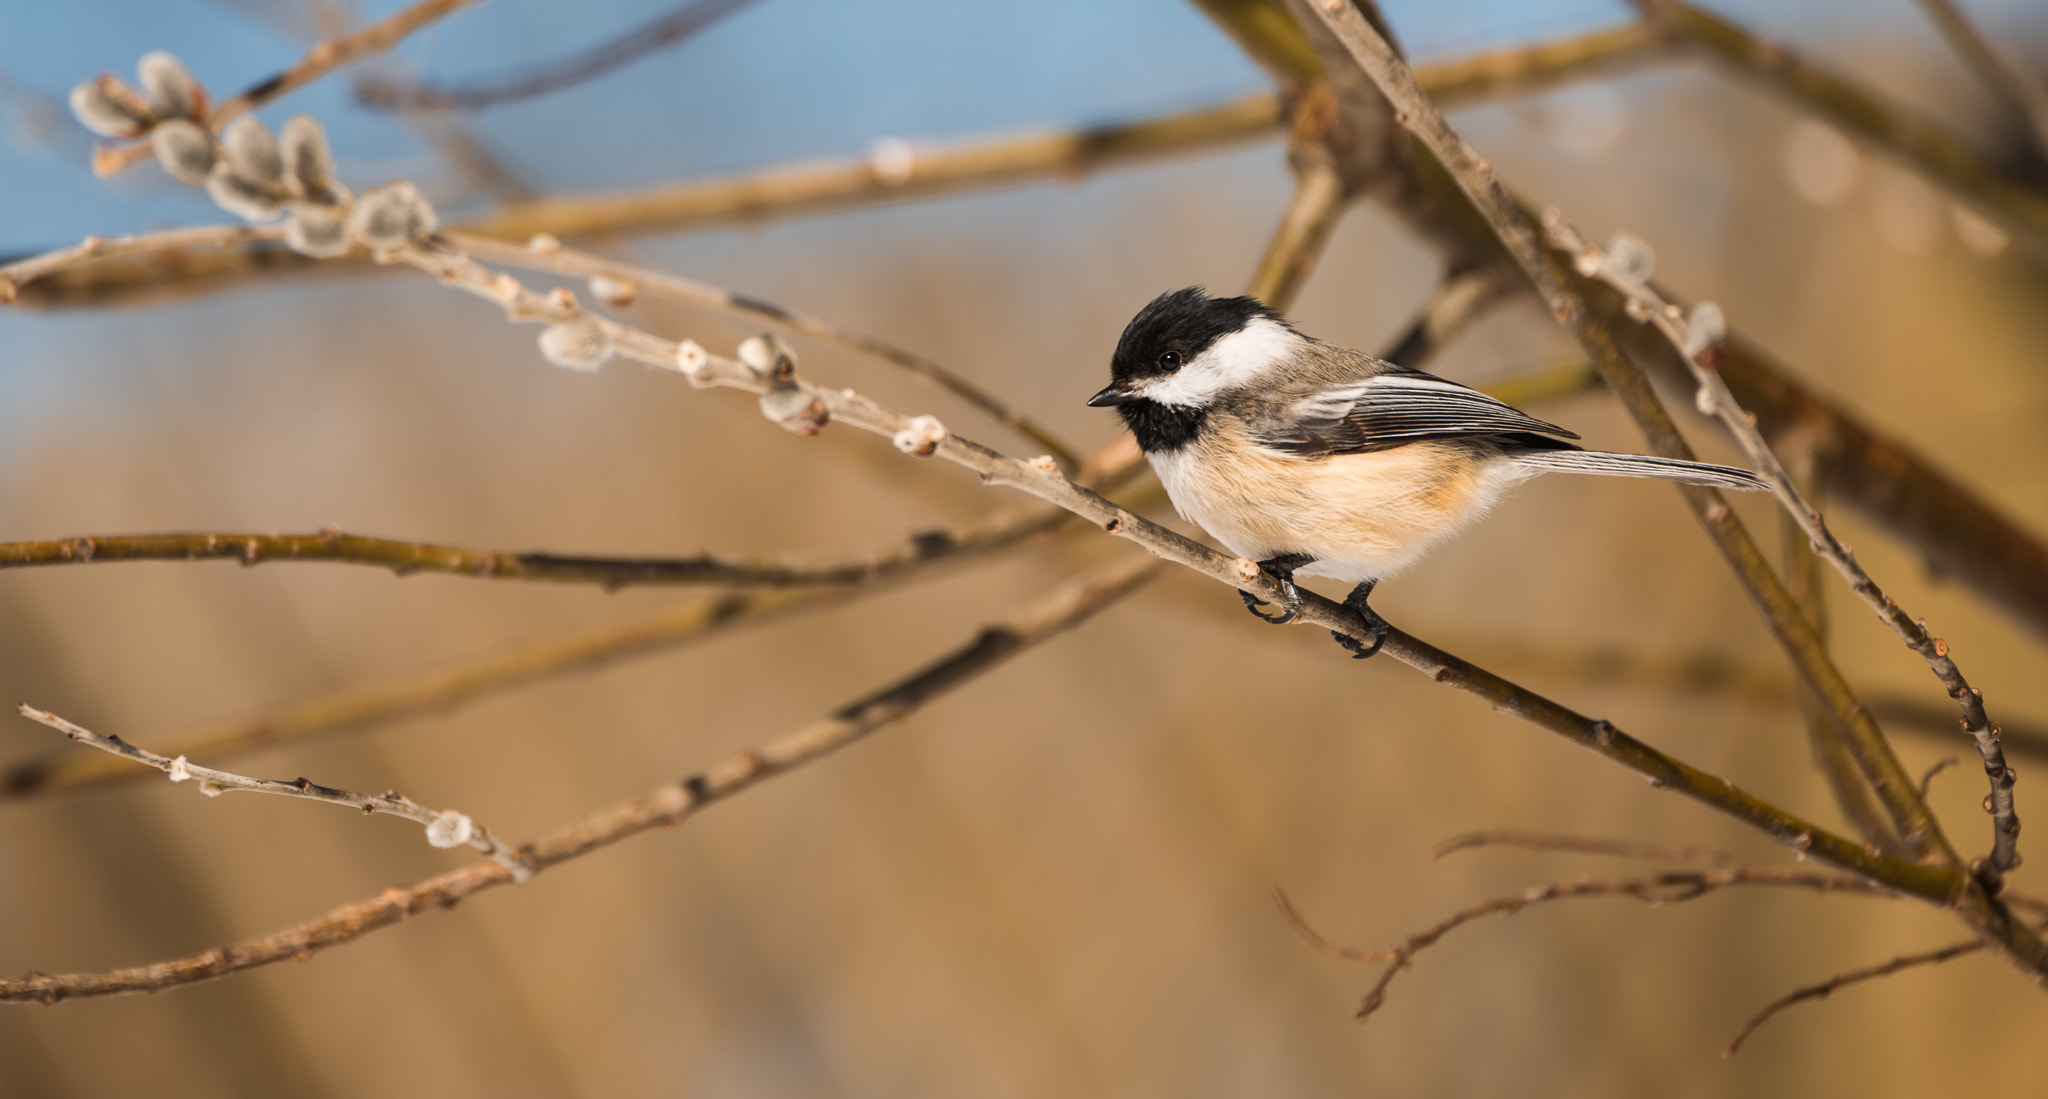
(581, 344)
(252, 152)
(450, 829)
(185, 150)
(787, 406)
(170, 87)
(110, 108)
(920, 438)
(239, 196)
(308, 162)
(314, 230)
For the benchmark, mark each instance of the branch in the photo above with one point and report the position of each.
(547, 254)
(900, 174)
(804, 407)
(668, 805)
(367, 705)
(1932, 151)
(1584, 845)
(651, 37)
(1820, 991)
(1475, 177)
(445, 828)
(2017, 84)
(1701, 341)
(322, 59)
(1669, 887)
(158, 246)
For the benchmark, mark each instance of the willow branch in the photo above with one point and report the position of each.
(1855, 976)
(1909, 813)
(2018, 84)
(1475, 177)
(1668, 887)
(1700, 340)
(1928, 148)
(652, 37)
(445, 828)
(547, 254)
(1581, 845)
(903, 174)
(670, 804)
(92, 250)
(323, 58)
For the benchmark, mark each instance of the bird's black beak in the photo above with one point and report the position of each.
(1111, 396)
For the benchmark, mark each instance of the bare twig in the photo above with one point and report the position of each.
(20, 273)
(1820, 991)
(1914, 821)
(323, 58)
(1701, 339)
(1584, 845)
(445, 828)
(1312, 213)
(657, 34)
(550, 255)
(670, 804)
(2019, 85)
(1669, 887)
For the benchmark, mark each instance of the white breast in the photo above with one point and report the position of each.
(1361, 516)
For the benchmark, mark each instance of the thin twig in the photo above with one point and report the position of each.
(1820, 991)
(1701, 340)
(20, 273)
(1313, 210)
(366, 705)
(1475, 177)
(1669, 887)
(2018, 84)
(1063, 608)
(445, 828)
(657, 34)
(1584, 845)
(551, 255)
(323, 58)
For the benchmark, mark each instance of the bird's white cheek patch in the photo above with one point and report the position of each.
(1234, 360)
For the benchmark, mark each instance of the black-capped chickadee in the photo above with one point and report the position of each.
(1316, 459)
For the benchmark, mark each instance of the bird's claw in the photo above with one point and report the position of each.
(1289, 608)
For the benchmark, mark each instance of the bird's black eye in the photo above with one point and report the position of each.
(1170, 361)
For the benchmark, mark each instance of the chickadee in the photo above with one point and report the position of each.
(1316, 459)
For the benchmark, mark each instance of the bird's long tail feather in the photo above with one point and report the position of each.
(1643, 465)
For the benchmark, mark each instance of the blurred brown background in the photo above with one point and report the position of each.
(1055, 881)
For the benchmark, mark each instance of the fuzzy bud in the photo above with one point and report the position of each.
(314, 230)
(171, 87)
(180, 771)
(185, 150)
(110, 108)
(769, 356)
(794, 410)
(920, 438)
(580, 344)
(691, 359)
(450, 829)
(615, 292)
(211, 789)
(892, 162)
(308, 162)
(239, 196)
(252, 151)
(1630, 258)
(544, 244)
(390, 216)
(1707, 329)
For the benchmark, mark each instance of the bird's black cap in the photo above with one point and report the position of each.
(1185, 322)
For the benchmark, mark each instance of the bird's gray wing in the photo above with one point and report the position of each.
(1389, 410)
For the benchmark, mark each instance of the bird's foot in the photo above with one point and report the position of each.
(1374, 624)
(1281, 569)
